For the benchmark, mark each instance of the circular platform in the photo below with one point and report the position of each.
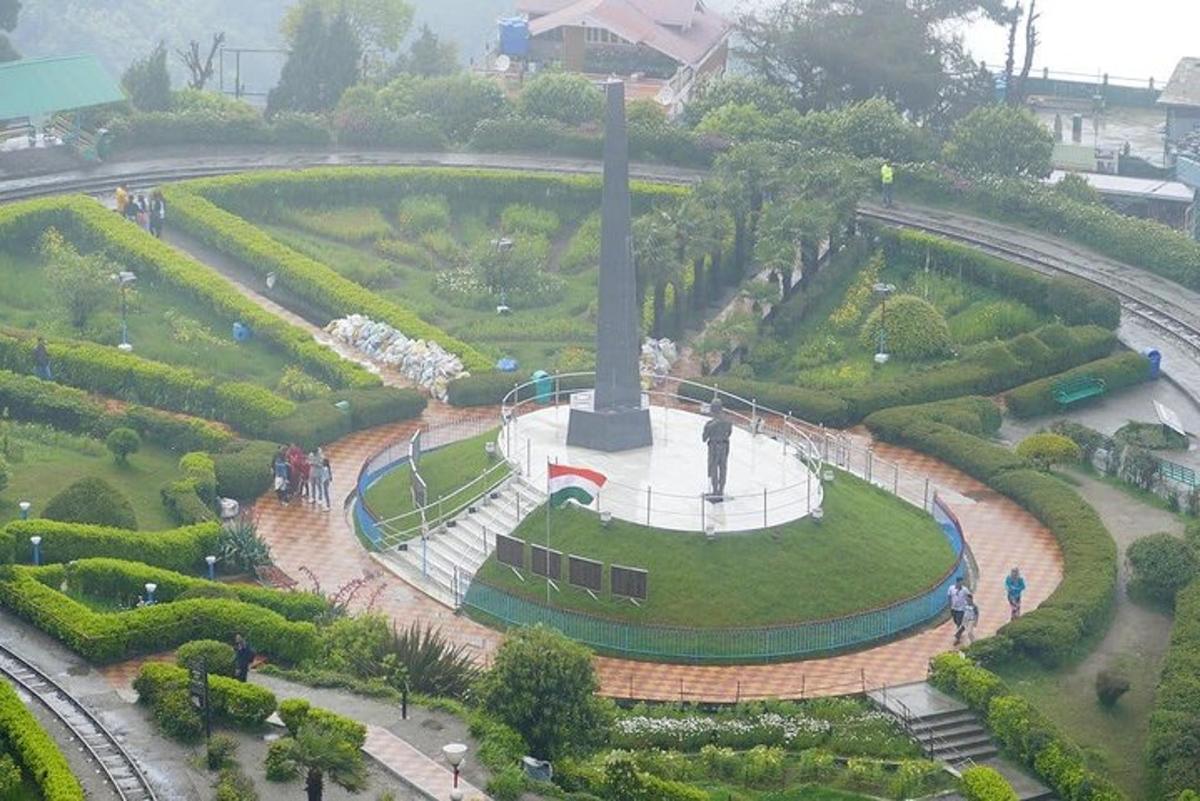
(663, 486)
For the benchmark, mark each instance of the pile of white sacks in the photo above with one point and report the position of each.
(658, 356)
(424, 362)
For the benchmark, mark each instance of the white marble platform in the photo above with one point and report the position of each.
(670, 477)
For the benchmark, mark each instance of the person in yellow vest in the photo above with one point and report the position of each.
(122, 199)
(887, 176)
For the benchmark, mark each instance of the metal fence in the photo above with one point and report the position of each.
(684, 644)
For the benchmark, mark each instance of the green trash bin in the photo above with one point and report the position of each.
(543, 386)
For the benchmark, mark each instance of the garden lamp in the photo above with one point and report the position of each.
(24, 507)
(455, 754)
(125, 279)
(883, 290)
(37, 549)
(150, 588)
(211, 561)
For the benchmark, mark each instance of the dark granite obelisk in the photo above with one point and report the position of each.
(617, 419)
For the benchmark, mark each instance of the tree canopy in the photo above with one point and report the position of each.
(380, 26)
(1001, 140)
(428, 55)
(323, 63)
(147, 82)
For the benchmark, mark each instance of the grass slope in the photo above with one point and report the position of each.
(870, 550)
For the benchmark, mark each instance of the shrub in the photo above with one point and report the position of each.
(911, 327)
(376, 127)
(34, 750)
(243, 472)
(981, 783)
(182, 550)
(233, 785)
(231, 701)
(1172, 750)
(279, 767)
(92, 500)
(530, 220)
(507, 785)
(216, 657)
(1111, 684)
(1162, 565)
(434, 666)
(813, 405)
(567, 97)
(296, 712)
(1037, 398)
(220, 751)
(1046, 450)
(419, 214)
(123, 442)
(177, 716)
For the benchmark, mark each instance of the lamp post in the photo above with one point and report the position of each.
(125, 279)
(211, 561)
(455, 754)
(503, 247)
(150, 588)
(37, 550)
(883, 290)
(24, 506)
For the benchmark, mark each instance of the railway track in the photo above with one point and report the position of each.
(111, 759)
(1162, 313)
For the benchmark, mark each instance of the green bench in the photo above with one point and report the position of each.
(1072, 390)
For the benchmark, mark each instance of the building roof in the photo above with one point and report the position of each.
(37, 87)
(1184, 87)
(646, 22)
(1122, 185)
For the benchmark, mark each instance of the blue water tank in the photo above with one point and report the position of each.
(1155, 361)
(514, 36)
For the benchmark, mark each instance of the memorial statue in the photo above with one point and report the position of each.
(717, 432)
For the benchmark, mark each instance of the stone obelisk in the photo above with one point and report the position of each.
(617, 420)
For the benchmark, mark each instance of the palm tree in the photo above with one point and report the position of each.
(321, 752)
(654, 250)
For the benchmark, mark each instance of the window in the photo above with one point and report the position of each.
(595, 35)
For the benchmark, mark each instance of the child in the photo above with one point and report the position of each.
(280, 469)
(970, 618)
(326, 481)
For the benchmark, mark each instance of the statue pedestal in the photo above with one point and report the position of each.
(609, 430)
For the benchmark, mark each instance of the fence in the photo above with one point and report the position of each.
(683, 644)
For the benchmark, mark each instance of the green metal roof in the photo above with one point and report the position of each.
(36, 87)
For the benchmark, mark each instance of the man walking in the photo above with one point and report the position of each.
(41, 361)
(243, 655)
(958, 595)
(886, 177)
(1014, 586)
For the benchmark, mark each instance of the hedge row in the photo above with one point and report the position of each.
(182, 549)
(306, 278)
(1037, 397)
(115, 578)
(30, 399)
(295, 712)
(1022, 731)
(231, 701)
(1082, 601)
(668, 144)
(812, 405)
(318, 422)
(109, 637)
(1072, 300)
(150, 128)
(34, 750)
(490, 389)
(89, 224)
(108, 371)
(1173, 749)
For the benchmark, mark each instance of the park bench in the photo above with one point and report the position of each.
(1072, 390)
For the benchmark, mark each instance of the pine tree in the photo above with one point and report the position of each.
(148, 83)
(340, 64)
(323, 63)
(429, 56)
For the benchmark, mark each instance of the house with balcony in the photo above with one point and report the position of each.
(662, 48)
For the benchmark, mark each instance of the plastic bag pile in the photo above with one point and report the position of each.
(658, 356)
(426, 363)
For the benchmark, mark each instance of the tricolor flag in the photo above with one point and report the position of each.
(565, 483)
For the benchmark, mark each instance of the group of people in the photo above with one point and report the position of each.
(965, 612)
(150, 213)
(304, 476)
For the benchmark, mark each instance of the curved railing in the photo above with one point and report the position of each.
(767, 643)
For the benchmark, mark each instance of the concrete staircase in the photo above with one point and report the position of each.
(949, 732)
(443, 563)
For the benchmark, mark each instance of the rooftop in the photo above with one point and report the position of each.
(39, 87)
(1121, 185)
(1184, 87)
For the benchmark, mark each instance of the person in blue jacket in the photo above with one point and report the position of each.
(1014, 586)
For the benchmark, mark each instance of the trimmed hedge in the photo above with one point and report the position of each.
(295, 712)
(971, 414)
(981, 783)
(91, 499)
(244, 469)
(234, 702)
(317, 422)
(1037, 397)
(1022, 731)
(489, 389)
(1072, 300)
(1173, 750)
(811, 405)
(34, 749)
(110, 637)
(181, 550)
(88, 223)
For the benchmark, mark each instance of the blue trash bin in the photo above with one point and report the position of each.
(1155, 361)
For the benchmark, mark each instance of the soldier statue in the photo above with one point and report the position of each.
(716, 434)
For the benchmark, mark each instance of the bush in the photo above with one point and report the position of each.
(376, 127)
(220, 751)
(1037, 398)
(243, 471)
(92, 500)
(912, 329)
(1046, 450)
(419, 214)
(231, 701)
(1162, 565)
(182, 550)
(567, 97)
(812, 405)
(981, 783)
(295, 712)
(34, 750)
(177, 716)
(1172, 750)
(122, 442)
(216, 657)
(279, 767)
(1111, 684)
(507, 785)
(233, 785)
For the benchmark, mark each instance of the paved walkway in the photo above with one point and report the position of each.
(424, 775)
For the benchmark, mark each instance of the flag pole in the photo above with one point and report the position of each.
(549, 503)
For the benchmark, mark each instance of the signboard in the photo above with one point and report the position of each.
(510, 551)
(629, 582)
(198, 693)
(545, 563)
(1169, 418)
(586, 573)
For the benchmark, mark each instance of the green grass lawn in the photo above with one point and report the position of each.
(51, 462)
(870, 550)
(444, 470)
(164, 324)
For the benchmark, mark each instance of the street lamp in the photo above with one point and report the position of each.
(37, 550)
(125, 279)
(503, 246)
(150, 588)
(24, 507)
(211, 561)
(455, 754)
(883, 290)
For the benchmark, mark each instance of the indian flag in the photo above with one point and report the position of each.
(565, 483)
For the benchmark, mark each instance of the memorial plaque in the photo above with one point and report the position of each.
(629, 582)
(586, 573)
(510, 551)
(544, 562)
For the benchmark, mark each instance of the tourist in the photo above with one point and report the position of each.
(326, 481)
(158, 213)
(314, 477)
(958, 595)
(41, 361)
(130, 210)
(1014, 586)
(887, 177)
(143, 213)
(970, 618)
(122, 195)
(280, 470)
(243, 655)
